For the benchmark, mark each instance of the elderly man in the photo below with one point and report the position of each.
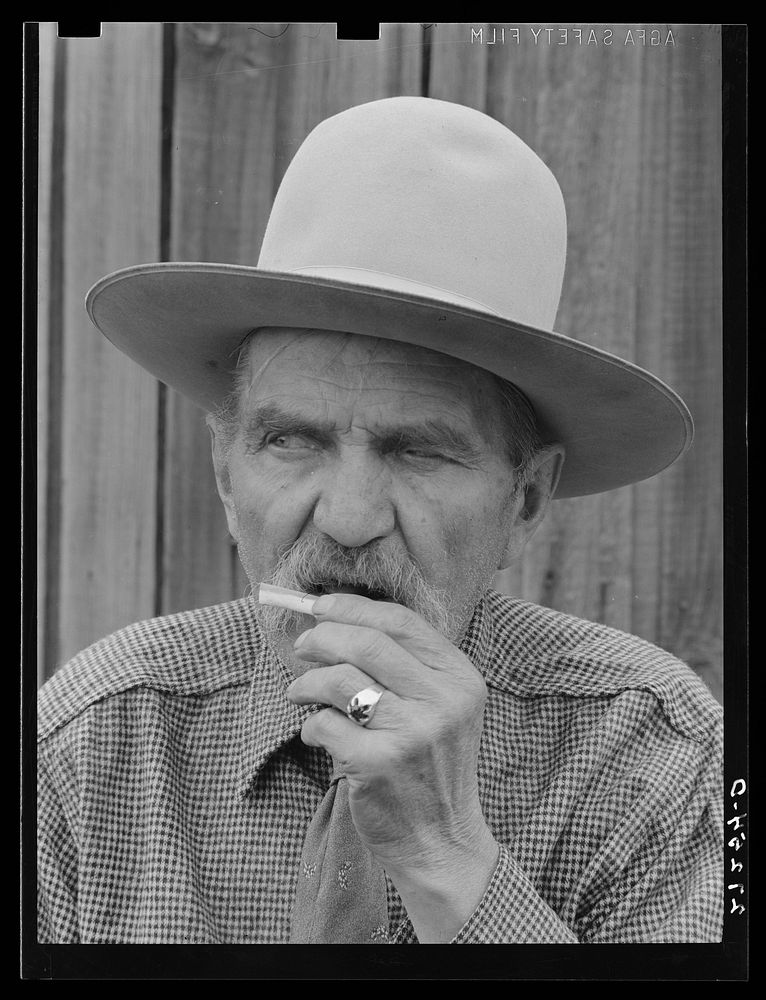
(394, 752)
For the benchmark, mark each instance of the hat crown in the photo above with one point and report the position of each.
(424, 196)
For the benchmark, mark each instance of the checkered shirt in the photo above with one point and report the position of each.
(175, 792)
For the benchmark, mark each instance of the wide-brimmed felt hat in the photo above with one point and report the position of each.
(414, 220)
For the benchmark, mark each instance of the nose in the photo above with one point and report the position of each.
(354, 506)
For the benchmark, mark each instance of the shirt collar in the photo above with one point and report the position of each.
(477, 640)
(270, 720)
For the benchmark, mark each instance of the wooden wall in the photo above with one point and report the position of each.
(168, 141)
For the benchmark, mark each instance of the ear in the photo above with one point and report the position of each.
(222, 476)
(531, 504)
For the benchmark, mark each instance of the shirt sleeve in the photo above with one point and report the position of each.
(656, 878)
(56, 865)
(510, 912)
(676, 899)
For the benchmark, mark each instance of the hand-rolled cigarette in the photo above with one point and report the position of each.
(281, 597)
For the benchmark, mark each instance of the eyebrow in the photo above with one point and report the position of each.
(270, 417)
(430, 433)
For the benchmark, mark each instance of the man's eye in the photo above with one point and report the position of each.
(287, 442)
(423, 455)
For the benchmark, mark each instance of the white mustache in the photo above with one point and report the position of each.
(318, 564)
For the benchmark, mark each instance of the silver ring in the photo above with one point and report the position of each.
(361, 708)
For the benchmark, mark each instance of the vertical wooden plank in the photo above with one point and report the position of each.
(651, 319)
(47, 43)
(223, 141)
(459, 67)
(364, 71)
(691, 613)
(246, 96)
(109, 426)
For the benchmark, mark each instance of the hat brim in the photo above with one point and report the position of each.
(184, 323)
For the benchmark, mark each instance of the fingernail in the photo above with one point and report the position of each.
(301, 639)
(323, 605)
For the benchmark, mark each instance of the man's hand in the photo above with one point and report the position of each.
(412, 770)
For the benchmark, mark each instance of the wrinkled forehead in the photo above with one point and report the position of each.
(294, 357)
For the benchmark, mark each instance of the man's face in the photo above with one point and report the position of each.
(371, 446)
